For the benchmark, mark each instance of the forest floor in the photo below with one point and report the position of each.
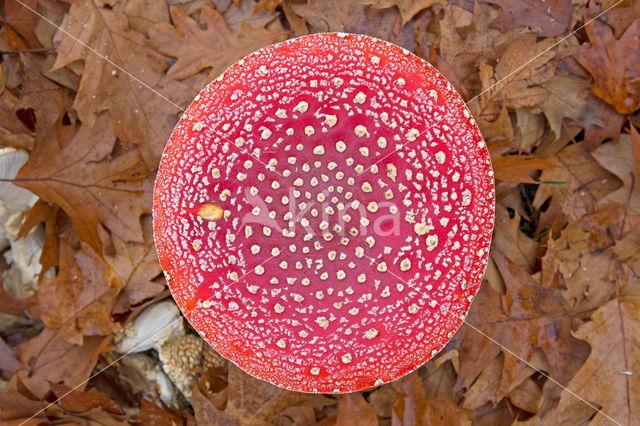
(555, 88)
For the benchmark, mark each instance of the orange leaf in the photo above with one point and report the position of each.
(518, 168)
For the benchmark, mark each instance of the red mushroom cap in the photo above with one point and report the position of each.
(323, 212)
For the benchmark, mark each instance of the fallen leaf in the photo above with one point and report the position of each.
(508, 239)
(51, 359)
(47, 213)
(12, 305)
(17, 409)
(444, 411)
(151, 414)
(77, 302)
(524, 66)
(516, 80)
(607, 378)
(635, 147)
(577, 183)
(527, 317)
(581, 271)
(614, 65)
(462, 53)
(567, 99)
(246, 13)
(214, 48)
(249, 401)
(408, 8)
(8, 360)
(527, 396)
(81, 401)
(518, 168)
(88, 184)
(483, 390)
(140, 115)
(617, 157)
(355, 17)
(549, 18)
(135, 266)
(354, 410)
(411, 406)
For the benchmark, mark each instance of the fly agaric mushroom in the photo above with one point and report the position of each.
(323, 212)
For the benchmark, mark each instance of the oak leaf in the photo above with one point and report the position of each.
(81, 177)
(508, 239)
(355, 17)
(518, 168)
(249, 401)
(527, 317)
(76, 302)
(412, 407)
(408, 8)
(214, 48)
(143, 114)
(614, 65)
(517, 77)
(77, 401)
(52, 359)
(617, 157)
(576, 184)
(607, 377)
(135, 266)
(548, 18)
(572, 264)
(354, 410)
(567, 99)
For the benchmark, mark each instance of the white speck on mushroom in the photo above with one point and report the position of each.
(360, 131)
(432, 242)
(302, 107)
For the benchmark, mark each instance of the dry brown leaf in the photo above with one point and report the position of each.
(82, 401)
(549, 18)
(527, 317)
(17, 409)
(249, 401)
(484, 388)
(568, 99)
(140, 117)
(81, 177)
(515, 81)
(355, 17)
(12, 305)
(411, 406)
(461, 53)
(135, 266)
(214, 48)
(408, 8)
(617, 157)
(527, 396)
(76, 302)
(354, 410)
(582, 271)
(635, 147)
(608, 377)
(614, 65)
(508, 239)
(529, 130)
(518, 168)
(246, 13)
(577, 184)
(8, 360)
(52, 359)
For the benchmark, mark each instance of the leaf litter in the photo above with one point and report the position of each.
(559, 111)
